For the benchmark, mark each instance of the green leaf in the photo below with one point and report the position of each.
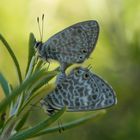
(43, 90)
(31, 51)
(40, 126)
(4, 84)
(37, 84)
(49, 75)
(72, 124)
(36, 76)
(8, 129)
(22, 120)
(13, 57)
(21, 98)
(31, 67)
(39, 64)
(16, 105)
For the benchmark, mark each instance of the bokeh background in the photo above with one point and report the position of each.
(116, 57)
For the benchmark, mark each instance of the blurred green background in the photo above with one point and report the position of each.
(116, 57)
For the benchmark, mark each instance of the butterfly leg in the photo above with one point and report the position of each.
(61, 128)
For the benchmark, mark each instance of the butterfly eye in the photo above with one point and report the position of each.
(37, 44)
(86, 76)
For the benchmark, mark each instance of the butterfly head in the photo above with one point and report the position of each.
(38, 45)
(39, 48)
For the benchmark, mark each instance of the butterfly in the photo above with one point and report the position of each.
(72, 45)
(81, 90)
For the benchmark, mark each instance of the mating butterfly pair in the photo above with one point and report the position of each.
(81, 90)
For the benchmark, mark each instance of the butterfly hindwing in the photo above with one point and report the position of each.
(82, 90)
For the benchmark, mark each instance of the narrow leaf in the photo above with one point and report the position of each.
(45, 80)
(40, 126)
(37, 85)
(4, 85)
(72, 124)
(13, 57)
(36, 76)
(31, 67)
(39, 64)
(8, 129)
(16, 105)
(31, 51)
(42, 90)
(22, 120)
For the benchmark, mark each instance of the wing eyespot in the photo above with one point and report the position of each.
(81, 58)
(86, 76)
(84, 51)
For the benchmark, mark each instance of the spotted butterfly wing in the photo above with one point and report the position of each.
(81, 90)
(71, 45)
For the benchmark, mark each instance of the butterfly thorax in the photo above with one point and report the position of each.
(40, 49)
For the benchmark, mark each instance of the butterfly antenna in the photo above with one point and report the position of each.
(42, 27)
(39, 28)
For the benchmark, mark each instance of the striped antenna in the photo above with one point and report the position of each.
(41, 28)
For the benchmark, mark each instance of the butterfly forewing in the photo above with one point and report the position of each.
(73, 44)
(82, 90)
